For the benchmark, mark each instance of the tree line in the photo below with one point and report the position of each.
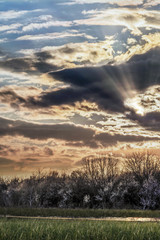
(101, 182)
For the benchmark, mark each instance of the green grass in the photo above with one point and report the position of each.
(77, 230)
(97, 213)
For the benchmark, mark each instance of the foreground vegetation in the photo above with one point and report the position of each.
(78, 213)
(77, 230)
(101, 183)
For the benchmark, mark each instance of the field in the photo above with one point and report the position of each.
(76, 230)
(96, 213)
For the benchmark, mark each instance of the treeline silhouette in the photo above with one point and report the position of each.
(102, 182)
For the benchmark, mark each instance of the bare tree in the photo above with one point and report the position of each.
(142, 165)
(101, 168)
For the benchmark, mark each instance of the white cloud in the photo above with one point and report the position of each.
(10, 27)
(145, 102)
(151, 3)
(45, 17)
(3, 40)
(132, 19)
(49, 36)
(151, 41)
(131, 41)
(6, 15)
(33, 26)
(28, 52)
(13, 32)
(118, 2)
(81, 54)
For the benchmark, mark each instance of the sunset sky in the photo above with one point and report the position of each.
(77, 78)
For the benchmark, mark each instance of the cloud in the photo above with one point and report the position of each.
(95, 94)
(151, 3)
(10, 97)
(107, 86)
(107, 139)
(30, 160)
(151, 41)
(19, 64)
(3, 40)
(5, 161)
(112, 2)
(85, 53)
(66, 132)
(55, 35)
(131, 41)
(10, 27)
(80, 54)
(56, 58)
(6, 150)
(90, 84)
(75, 54)
(146, 101)
(150, 121)
(48, 24)
(132, 19)
(11, 14)
(48, 152)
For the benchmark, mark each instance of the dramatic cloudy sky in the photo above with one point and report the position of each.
(77, 78)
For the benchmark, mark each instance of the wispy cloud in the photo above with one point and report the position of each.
(133, 19)
(55, 35)
(48, 24)
(10, 27)
(151, 3)
(150, 41)
(3, 40)
(11, 14)
(120, 3)
(112, 2)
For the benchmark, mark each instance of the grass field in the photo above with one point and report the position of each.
(30, 229)
(77, 230)
(97, 213)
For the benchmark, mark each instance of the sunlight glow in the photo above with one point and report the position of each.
(133, 103)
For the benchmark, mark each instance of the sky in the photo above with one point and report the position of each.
(77, 78)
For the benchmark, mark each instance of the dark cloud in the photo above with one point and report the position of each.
(66, 132)
(150, 121)
(91, 84)
(29, 160)
(6, 150)
(152, 19)
(17, 64)
(6, 161)
(48, 151)
(43, 56)
(10, 97)
(144, 69)
(2, 147)
(74, 144)
(103, 85)
(70, 133)
(40, 63)
(29, 149)
(107, 139)
(35, 65)
(67, 50)
(59, 97)
(44, 67)
(1, 52)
